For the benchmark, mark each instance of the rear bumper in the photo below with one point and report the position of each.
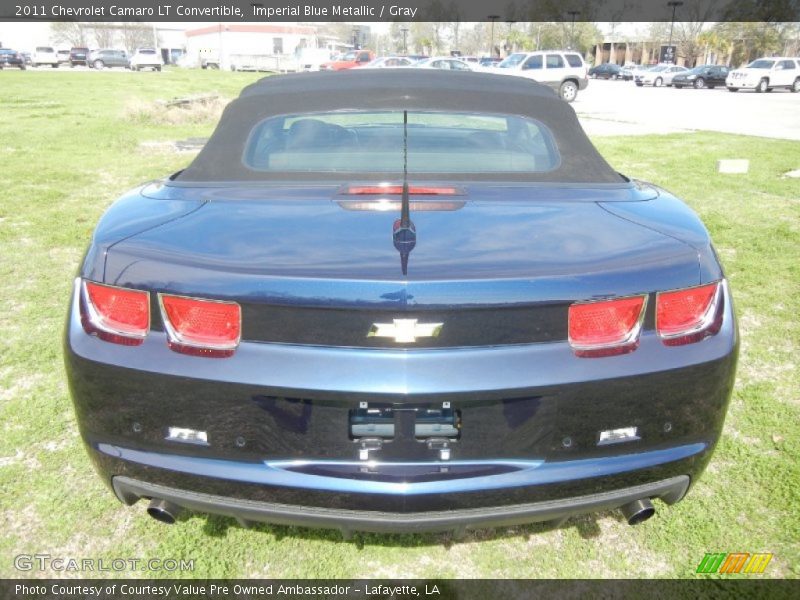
(276, 418)
(130, 491)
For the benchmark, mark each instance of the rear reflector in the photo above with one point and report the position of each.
(201, 327)
(115, 314)
(420, 190)
(607, 327)
(686, 316)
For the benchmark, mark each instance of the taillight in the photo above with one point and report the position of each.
(606, 327)
(690, 315)
(115, 314)
(201, 327)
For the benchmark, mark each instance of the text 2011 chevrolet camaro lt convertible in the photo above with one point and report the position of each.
(393, 301)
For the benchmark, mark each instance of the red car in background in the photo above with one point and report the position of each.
(354, 58)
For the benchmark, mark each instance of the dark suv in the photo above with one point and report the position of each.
(11, 58)
(78, 56)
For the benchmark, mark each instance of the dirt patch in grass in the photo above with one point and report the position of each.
(162, 112)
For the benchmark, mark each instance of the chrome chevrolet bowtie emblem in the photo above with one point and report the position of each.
(405, 331)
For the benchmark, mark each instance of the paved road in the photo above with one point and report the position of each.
(622, 108)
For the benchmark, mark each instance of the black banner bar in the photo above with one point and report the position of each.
(402, 589)
(265, 11)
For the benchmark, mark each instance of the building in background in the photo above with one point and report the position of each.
(263, 47)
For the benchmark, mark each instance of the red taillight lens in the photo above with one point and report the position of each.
(606, 328)
(115, 314)
(421, 190)
(686, 316)
(201, 327)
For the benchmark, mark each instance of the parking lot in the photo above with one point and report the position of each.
(608, 107)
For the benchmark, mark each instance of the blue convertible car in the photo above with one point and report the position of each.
(400, 301)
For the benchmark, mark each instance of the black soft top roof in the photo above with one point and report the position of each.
(396, 89)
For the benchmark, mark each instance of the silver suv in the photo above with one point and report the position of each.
(562, 70)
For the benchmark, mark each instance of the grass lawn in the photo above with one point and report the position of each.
(71, 142)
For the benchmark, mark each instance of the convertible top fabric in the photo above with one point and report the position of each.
(221, 160)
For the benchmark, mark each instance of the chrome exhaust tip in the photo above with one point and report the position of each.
(164, 511)
(638, 511)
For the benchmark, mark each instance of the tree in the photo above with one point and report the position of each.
(71, 33)
(422, 38)
(396, 36)
(104, 34)
(474, 40)
(748, 41)
(687, 32)
(136, 35)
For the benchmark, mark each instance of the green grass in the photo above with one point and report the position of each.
(71, 142)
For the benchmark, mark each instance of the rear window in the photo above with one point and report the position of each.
(574, 60)
(372, 142)
(44, 49)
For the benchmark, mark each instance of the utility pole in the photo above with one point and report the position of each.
(492, 18)
(674, 4)
(405, 40)
(573, 14)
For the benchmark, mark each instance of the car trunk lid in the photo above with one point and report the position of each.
(498, 264)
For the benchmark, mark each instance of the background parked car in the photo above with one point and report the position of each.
(26, 56)
(627, 72)
(639, 70)
(44, 55)
(11, 58)
(388, 62)
(63, 57)
(99, 59)
(351, 59)
(658, 75)
(708, 76)
(146, 58)
(564, 71)
(766, 74)
(489, 61)
(445, 62)
(78, 56)
(606, 71)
